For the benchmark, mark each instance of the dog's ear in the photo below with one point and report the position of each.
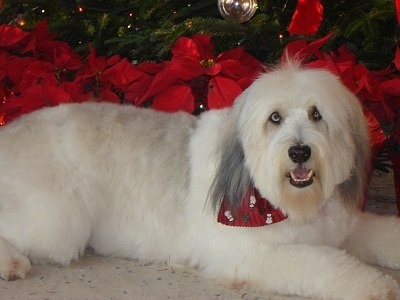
(353, 189)
(232, 178)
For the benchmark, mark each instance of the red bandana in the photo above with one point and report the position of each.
(255, 211)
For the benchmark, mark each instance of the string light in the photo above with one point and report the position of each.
(20, 20)
(80, 9)
(130, 15)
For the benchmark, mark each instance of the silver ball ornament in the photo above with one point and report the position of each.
(237, 10)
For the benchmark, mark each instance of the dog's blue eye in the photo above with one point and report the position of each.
(275, 117)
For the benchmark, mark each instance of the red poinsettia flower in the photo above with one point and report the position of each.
(193, 57)
(101, 75)
(91, 80)
(61, 55)
(33, 86)
(224, 76)
(37, 36)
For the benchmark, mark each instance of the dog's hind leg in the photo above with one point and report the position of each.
(44, 226)
(12, 263)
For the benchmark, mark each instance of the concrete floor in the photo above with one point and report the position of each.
(100, 278)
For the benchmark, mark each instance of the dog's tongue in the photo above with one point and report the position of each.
(301, 177)
(300, 173)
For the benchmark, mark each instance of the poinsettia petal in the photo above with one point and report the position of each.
(113, 60)
(303, 51)
(10, 36)
(122, 73)
(397, 58)
(213, 70)
(31, 100)
(397, 4)
(222, 92)
(381, 111)
(362, 75)
(236, 69)
(324, 64)
(137, 89)
(245, 82)
(377, 137)
(345, 55)
(67, 61)
(37, 72)
(204, 45)
(151, 67)
(106, 95)
(293, 48)
(185, 46)
(54, 95)
(61, 55)
(160, 82)
(317, 44)
(307, 17)
(76, 91)
(238, 63)
(391, 87)
(175, 98)
(15, 68)
(186, 67)
(39, 34)
(94, 63)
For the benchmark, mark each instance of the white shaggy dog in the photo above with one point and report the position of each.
(141, 184)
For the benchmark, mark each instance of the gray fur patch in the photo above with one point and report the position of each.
(232, 178)
(353, 189)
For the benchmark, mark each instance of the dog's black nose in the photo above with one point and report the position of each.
(299, 153)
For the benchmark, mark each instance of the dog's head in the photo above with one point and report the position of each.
(300, 137)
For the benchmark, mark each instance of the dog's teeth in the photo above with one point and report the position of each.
(301, 178)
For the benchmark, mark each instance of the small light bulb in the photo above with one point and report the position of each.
(20, 20)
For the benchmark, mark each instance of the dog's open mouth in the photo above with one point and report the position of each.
(301, 177)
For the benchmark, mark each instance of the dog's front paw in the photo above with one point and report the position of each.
(384, 288)
(14, 266)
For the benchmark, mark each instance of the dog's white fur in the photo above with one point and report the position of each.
(134, 183)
